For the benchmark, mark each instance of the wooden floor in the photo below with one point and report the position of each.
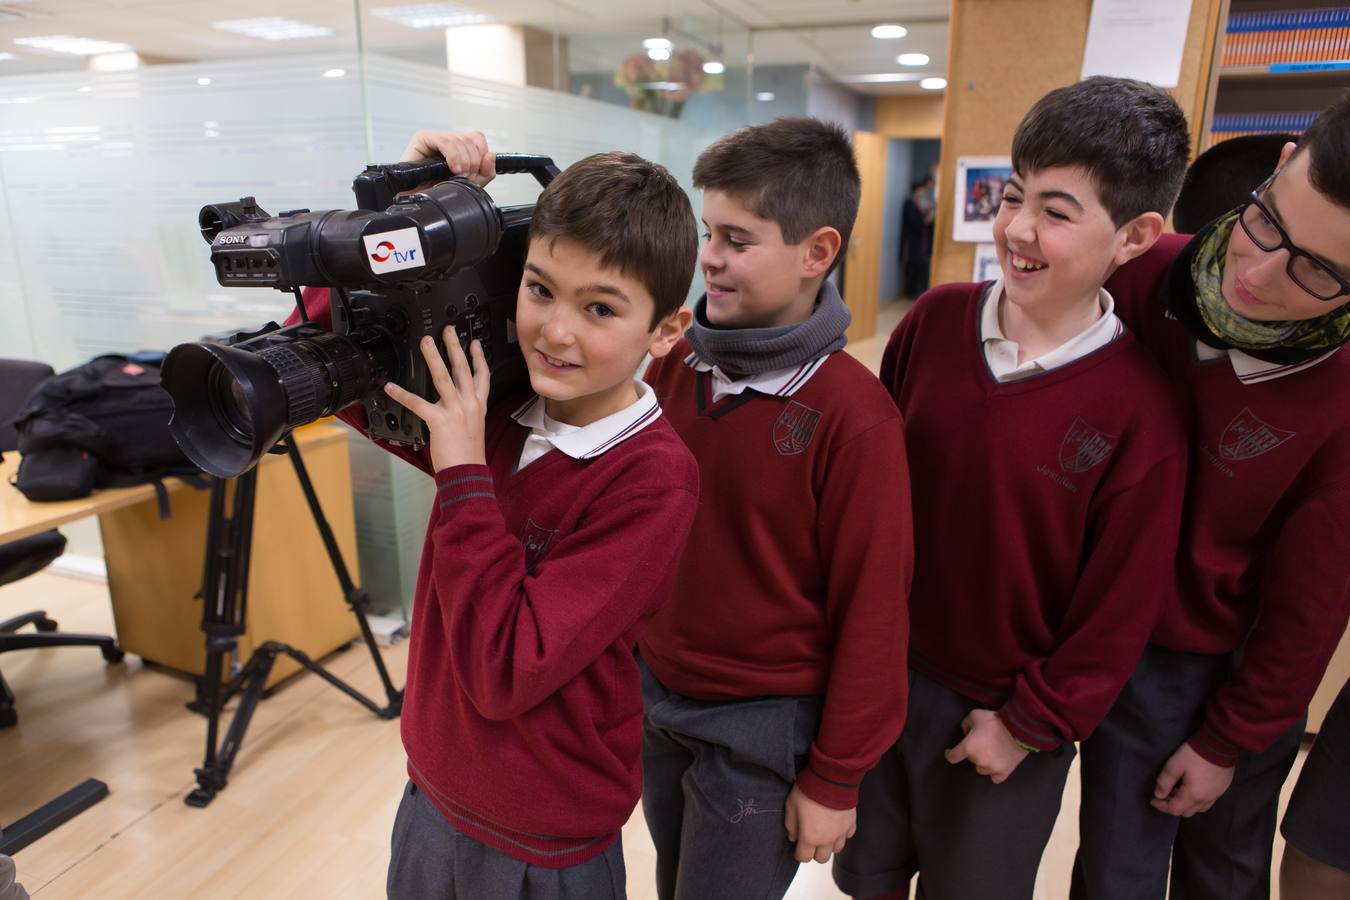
(312, 799)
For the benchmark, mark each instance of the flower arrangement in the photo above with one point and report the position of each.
(664, 86)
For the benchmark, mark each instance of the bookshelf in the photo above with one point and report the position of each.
(1278, 64)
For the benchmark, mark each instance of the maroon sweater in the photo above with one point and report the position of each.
(522, 716)
(1045, 517)
(1267, 529)
(796, 573)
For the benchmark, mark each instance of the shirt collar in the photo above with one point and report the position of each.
(602, 435)
(1097, 335)
(1251, 370)
(778, 383)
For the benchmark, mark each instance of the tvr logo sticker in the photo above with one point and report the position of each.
(392, 251)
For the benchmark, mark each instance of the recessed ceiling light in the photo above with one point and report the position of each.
(889, 32)
(657, 44)
(764, 96)
(713, 67)
(912, 59)
(79, 46)
(125, 61)
(273, 28)
(933, 84)
(203, 81)
(660, 54)
(334, 73)
(84, 90)
(431, 15)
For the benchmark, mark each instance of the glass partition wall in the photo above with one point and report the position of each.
(109, 148)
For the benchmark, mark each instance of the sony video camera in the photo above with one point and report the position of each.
(398, 269)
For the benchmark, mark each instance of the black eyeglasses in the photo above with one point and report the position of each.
(1304, 270)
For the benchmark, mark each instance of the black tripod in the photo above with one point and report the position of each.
(224, 603)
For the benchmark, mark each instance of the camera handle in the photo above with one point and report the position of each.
(224, 604)
(376, 187)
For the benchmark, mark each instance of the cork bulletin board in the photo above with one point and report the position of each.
(1004, 55)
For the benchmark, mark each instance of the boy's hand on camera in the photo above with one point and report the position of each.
(466, 154)
(988, 745)
(455, 420)
(817, 830)
(1189, 784)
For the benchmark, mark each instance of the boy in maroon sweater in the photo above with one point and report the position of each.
(1249, 319)
(1048, 466)
(559, 518)
(774, 677)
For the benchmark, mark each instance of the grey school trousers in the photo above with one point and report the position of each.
(715, 778)
(431, 860)
(1124, 843)
(966, 837)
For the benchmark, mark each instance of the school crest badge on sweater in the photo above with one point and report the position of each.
(536, 539)
(794, 428)
(1248, 437)
(1084, 447)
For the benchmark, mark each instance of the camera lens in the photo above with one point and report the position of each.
(233, 403)
(229, 404)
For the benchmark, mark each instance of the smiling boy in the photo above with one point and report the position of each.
(558, 519)
(1047, 465)
(1249, 319)
(774, 677)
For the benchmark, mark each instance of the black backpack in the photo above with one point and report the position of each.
(101, 424)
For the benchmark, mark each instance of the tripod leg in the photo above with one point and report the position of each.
(356, 598)
(224, 600)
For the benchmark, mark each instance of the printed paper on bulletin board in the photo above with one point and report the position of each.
(979, 190)
(1142, 39)
(986, 264)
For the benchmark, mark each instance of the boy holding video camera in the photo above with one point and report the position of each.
(558, 520)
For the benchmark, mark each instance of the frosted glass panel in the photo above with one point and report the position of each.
(102, 176)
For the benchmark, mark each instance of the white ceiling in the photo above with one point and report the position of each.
(834, 35)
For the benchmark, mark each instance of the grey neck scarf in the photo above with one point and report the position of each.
(754, 351)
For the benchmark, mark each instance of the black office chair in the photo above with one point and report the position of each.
(21, 558)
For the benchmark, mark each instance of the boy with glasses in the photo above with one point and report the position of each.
(1248, 317)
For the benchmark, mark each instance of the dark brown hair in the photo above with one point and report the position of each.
(1328, 140)
(797, 172)
(1129, 136)
(633, 214)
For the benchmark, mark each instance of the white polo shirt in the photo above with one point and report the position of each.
(1251, 370)
(778, 383)
(585, 441)
(1001, 353)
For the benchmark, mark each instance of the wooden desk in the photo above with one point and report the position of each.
(155, 566)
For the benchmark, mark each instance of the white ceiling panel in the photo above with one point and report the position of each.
(832, 37)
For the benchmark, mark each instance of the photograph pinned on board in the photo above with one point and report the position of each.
(979, 189)
(986, 264)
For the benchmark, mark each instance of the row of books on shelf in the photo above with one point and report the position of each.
(1307, 36)
(1231, 125)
